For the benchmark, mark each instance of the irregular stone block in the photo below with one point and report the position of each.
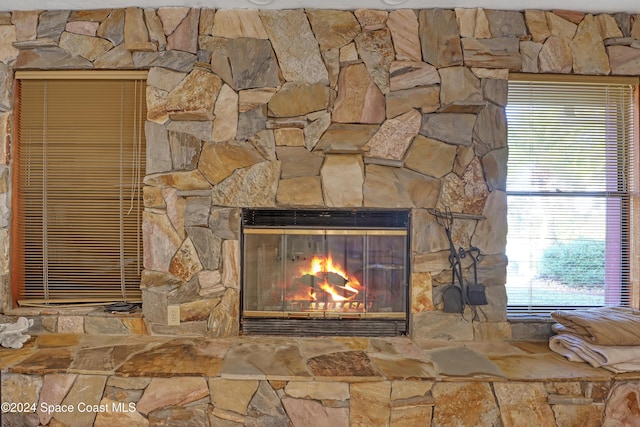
(303, 191)
(201, 130)
(185, 150)
(54, 388)
(589, 55)
(112, 28)
(505, 23)
(439, 38)
(160, 241)
(185, 36)
(403, 24)
(430, 157)
(393, 138)
(297, 99)
(163, 392)
(185, 263)
(253, 64)
(359, 99)
(172, 59)
(560, 27)
(537, 24)
(251, 122)
(438, 325)
(336, 171)
(371, 19)
(208, 246)
(333, 28)
(7, 37)
(225, 223)
(251, 186)
(51, 24)
(26, 23)
(289, 137)
(376, 50)
(529, 53)
(523, 403)
(624, 60)
(490, 130)
(219, 160)
(266, 408)
(495, 91)
(232, 395)
(449, 127)
(87, 390)
(195, 96)
(491, 234)
(426, 99)
(494, 165)
(464, 404)
(295, 45)
(154, 27)
(171, 17)
(136, 36)
(298, 161)
(116, 58)
(345, 138)
(458, 84)
(236, 23)
(312, 413)
(492, 53)
(50, 58)
(225, 124)
(393, 187)
(607, 26)
(409, 74)
(369, 403)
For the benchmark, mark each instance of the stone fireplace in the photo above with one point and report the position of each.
(325, 271)
(310, 109)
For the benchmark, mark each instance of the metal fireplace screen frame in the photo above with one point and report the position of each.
(373, 245)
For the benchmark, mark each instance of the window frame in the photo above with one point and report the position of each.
(17, 260)
(633, 290)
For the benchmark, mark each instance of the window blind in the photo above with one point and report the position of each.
(79, 164)
(569, 184)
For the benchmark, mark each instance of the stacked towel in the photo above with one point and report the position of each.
(607, 337)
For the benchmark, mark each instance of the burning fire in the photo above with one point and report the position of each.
(330, 277)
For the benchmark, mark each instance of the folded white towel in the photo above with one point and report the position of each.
(615, 358)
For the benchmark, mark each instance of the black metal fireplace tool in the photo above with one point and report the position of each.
(459, 294)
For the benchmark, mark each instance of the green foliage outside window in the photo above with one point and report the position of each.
(577, 263)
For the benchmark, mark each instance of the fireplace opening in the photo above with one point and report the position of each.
(325, 272)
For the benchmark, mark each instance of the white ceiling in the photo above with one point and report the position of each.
(593, 6)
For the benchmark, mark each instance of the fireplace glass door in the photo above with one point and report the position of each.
(339, 273)
(325, 271)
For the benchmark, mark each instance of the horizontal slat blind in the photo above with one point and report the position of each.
(80, 157)
(569, 181)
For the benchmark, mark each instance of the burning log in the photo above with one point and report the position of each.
(314, 281)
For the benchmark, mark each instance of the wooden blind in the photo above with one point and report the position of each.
(79, 164)
(569, 187)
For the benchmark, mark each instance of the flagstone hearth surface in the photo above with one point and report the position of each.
(292, 381)
(279, 358)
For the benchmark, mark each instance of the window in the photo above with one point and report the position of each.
(77, 203)
(569, 184)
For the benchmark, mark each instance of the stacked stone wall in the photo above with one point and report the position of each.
(314, 108)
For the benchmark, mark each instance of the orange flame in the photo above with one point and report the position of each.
(325, 265)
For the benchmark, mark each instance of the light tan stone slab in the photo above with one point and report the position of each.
(337, 170)
(163, 392)
(232, 23)
(369, 403)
